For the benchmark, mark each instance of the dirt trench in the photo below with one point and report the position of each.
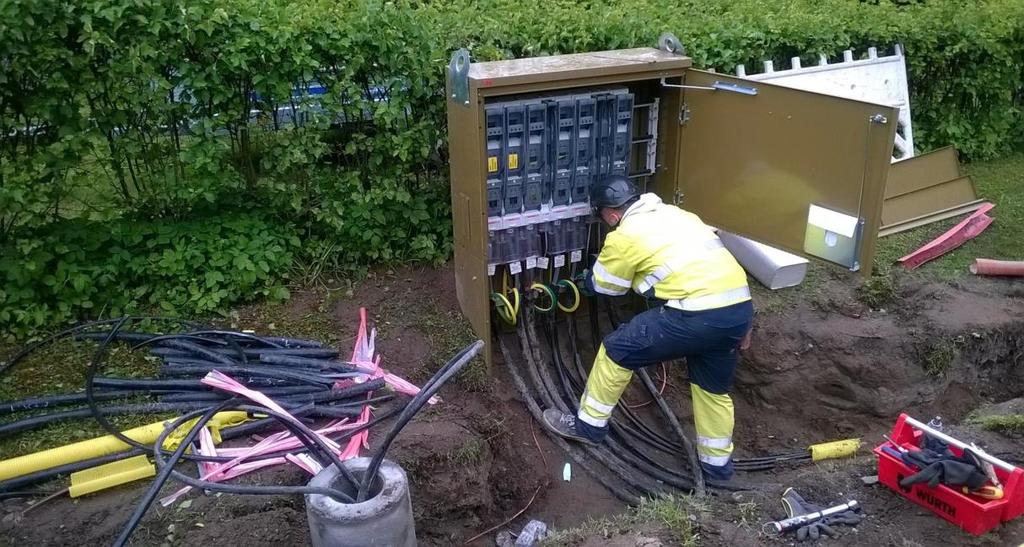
(820, 370)
(816, 374)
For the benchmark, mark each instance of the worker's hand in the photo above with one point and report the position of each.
(583, 283)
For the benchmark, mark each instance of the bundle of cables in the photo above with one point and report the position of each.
(295, 372)
(637, 459)
(300, 375)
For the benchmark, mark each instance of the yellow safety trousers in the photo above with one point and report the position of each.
(713, 414)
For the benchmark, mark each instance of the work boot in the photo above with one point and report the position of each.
(564, 425)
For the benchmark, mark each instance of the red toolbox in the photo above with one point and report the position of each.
(974, 514)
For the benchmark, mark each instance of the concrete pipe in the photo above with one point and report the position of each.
(385, 519)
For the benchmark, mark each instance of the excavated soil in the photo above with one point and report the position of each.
(821, 370)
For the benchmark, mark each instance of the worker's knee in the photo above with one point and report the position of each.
(714, 371)
(632, 345)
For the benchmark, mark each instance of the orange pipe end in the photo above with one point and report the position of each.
(986, 266)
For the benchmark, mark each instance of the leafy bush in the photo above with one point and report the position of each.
(78, 268)
(329, 116)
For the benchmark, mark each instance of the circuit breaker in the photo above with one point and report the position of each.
(543, 153)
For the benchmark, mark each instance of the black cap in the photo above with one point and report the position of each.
(612, 191)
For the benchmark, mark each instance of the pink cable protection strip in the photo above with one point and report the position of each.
(304, 462)
(363, 358)
(274, 443)
(206, 448)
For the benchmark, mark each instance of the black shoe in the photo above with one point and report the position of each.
(564, 425)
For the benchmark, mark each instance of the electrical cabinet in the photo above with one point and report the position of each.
(797, 170)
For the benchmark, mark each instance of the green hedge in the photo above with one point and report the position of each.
(120, 267)
(140, 109)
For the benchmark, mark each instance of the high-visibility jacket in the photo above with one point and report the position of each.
(662, 251)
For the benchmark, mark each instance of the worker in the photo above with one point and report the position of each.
(704, 314)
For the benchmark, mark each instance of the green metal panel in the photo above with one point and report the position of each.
(754, 164)
(922, 171)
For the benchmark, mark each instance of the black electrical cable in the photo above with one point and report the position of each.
(302, 432)
(626, 450)
(310, 353)
(624, 490)
(97, 414)
(623, 451)
(193, 384)
(177, 343)
(49, 401)
(172, 363)
(261, 424)
(166, 468)
(226, 434)
(164, 473)
(638, 427)
(202, 334)
(236, 349)
(595, 337)
(170, 353)
(294, 342)
(549, 396)
(14, 360)
(336, 412)
(427, 391)
(272, 373)
(670, 417)
(163, 340)
(748, 464)
(214, 396)
(257, 369)
(32, 422)
(133, 337)
(303, 361)
(624, 433)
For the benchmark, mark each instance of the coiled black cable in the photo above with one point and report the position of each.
(451, 368)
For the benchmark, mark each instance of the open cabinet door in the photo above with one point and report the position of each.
(793, 169)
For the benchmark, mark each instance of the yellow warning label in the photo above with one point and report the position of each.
(513, 161)
(492, 164)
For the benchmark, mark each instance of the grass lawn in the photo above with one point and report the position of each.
(999, 181)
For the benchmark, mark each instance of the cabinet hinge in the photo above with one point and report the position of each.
(684, 113)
